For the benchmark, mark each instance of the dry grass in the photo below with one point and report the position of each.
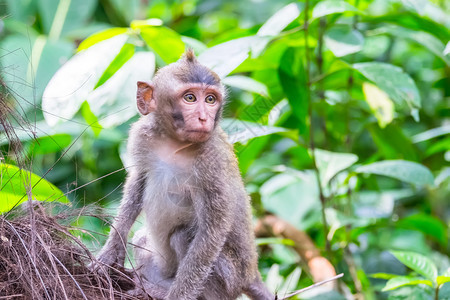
(41, 259)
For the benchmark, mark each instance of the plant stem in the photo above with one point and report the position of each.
(311, 128)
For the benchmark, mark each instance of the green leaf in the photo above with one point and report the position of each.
(380, 104)
(403, 170)
(447, 49)
(441, 145)
(138, 24)
(274, 240)
(30, 64)
(328, 7)
(195, 44)
(429, 225)
(339, 220)
(73, 82)
(165, 42)
(383, 276)
(418, 263)
(247, 84)
(442, 279)
(90, 118)
(282, 18)
(22, 10)
(101, 36)
(50, 144)
(292, 75)
(392, 143)
(400, 281)
(415, 22)
(293, 196)
(290, 283)
(15, 182)
(113, 102)
(343, 40)
(432, 43)
(396, 83)
(428, 9)
(432, 133)
(241, 131)
(224, 58)
(331, 163)
(124, 55)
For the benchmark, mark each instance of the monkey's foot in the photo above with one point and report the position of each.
(147, 290)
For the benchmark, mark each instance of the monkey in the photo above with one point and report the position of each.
(197, 242)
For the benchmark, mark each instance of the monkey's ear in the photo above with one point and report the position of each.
(145, 102)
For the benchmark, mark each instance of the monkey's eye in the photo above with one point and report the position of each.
(210, 99)
(189, 98)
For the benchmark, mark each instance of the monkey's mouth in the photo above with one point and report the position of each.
(202, 131)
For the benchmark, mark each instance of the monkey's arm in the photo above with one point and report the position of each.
(214, 213)
(114, 251)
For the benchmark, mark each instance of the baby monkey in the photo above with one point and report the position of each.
(198, 241)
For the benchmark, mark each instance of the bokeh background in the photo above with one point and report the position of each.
(338, 110)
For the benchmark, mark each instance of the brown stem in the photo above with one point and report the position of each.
(318, 266)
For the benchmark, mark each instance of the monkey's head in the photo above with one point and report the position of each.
(186, 99)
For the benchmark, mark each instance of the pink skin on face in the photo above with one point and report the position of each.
(199, 104)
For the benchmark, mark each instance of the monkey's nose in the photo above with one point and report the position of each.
(202, 118)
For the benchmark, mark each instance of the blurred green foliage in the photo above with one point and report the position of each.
(339, 111)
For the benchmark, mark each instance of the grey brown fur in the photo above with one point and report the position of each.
(198, 242)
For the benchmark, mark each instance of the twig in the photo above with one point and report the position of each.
(310, 287)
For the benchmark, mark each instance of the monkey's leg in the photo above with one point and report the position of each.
(258, 291)
(149, 278)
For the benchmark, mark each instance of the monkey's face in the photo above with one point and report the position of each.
(196, 111)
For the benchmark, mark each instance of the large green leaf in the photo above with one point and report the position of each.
(403, 170)
(224, 58)
(429, 9)
(21, 10)
(396, 83)
(124, 55)
(447, 49)
(432, 133)
(331, 163)
(73, 82)
(164, 41)
(425, 39)
(429, 225)
(418, 263)
(329, 7)
(343, 40)
(415, 22)
(392, 142)
(247, 84)
(282, 18)
(442, 279)
(14, 185)
(101, 36)
(292, 75)
(30, 62)
(114, 101)
(293, 196)
(50, 144)
(61, 16)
